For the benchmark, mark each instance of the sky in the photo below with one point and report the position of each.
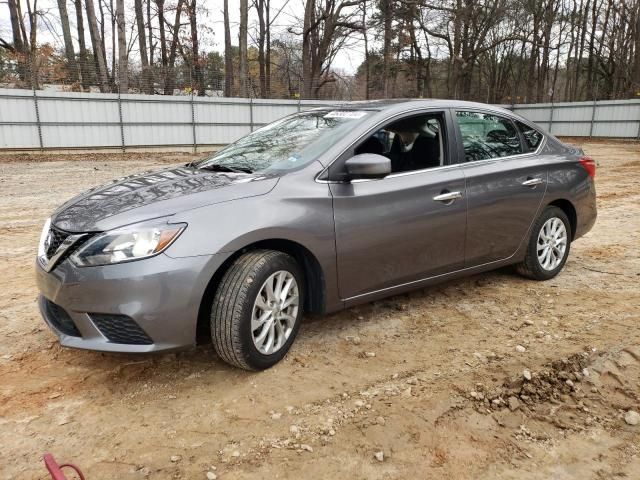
(347, 60)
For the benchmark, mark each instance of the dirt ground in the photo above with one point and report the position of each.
(425, 385)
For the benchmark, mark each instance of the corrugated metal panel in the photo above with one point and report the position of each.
(17, 109)
(570, 129)
(70, 120)
(616, 129)
(59, 136)
(267, 113)
(156, 112)
(57, 108)
(208, 111)
(210, 135)
(141, 135)
(19, 136)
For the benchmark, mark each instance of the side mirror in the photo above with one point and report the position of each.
(368, 165)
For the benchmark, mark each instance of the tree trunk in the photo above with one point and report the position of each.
(366, 49)
(635, 83)
(98, 51)
(33, 45)
(16, 20)
(84, 66)
(261, 47)
(387, 12)
(197, 66)
(147, 83)
(307, 38)
(267, 55)
(68, 42)
(20, 42)
(228, 54)
(123, 72)
(244, 59)
(170, 75)
(150, 39)
(101, 4)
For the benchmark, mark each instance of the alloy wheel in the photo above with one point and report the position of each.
(552, 243)
(275, 312)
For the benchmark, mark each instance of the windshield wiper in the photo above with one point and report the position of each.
(216, 167)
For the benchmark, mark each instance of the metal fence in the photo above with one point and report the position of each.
(40, 120)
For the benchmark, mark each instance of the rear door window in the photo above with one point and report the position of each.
(532, 137)
(487, 135)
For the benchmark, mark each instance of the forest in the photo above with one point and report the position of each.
(498, 51)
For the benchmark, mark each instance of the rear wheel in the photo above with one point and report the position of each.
(548, 246)
(257, 309)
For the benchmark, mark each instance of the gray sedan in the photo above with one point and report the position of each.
(317, 212)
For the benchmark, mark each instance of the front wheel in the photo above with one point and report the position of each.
(257, 309)
(548, 247)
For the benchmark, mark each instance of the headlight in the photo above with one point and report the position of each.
(42, 250)
(127, 244)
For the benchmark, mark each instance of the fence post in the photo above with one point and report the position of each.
(593, 117)
(251, 113)
(122, 144)
(193, 123)
(38, 123)
(551, 118)
(593, 111)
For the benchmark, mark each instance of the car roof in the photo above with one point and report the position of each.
(399, 104)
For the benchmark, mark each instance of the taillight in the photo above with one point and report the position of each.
(589, 164)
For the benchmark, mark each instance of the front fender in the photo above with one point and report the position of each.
(302, 213)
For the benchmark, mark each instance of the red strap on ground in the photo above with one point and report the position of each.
(56, 470)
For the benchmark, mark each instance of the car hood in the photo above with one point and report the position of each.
(155, 194)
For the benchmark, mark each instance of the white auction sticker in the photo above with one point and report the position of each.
(346, 114)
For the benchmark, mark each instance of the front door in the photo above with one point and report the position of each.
(409, 225)
(506, 182)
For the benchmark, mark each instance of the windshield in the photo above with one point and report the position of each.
(286, 144)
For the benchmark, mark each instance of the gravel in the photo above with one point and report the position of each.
(632, 417)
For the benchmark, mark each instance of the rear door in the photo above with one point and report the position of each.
(505, 184)
(407, 226)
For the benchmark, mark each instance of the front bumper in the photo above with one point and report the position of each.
(142, 306)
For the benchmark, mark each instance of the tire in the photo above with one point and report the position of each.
(532, 266)
(236, 302)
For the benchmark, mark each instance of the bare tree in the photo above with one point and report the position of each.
(195, 52)
(169, 60)
(147, 80)
(98, 48)
(68, 41)
(84, 65)
(387, 11)
(262, 8)
(244, 55)
(123, 71)
(228, 54)
(326, 26)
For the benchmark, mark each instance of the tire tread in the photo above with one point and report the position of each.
(529, 267)
(229, 301)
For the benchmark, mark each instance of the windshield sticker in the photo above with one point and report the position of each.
(346, 114)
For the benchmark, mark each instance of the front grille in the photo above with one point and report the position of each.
(60, 319)
(120, 329)
(56, 237)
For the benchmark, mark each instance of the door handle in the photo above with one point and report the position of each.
(447, 197)
(532, 182)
